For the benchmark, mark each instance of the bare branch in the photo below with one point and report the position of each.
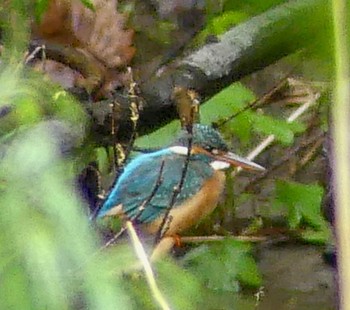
(153, 193)
(164, 226)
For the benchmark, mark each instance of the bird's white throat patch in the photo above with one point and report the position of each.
(219, 165)
(181, 150)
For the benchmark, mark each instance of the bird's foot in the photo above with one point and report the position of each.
(177, 240)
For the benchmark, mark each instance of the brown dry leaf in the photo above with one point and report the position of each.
(56, 24)
(101, 33)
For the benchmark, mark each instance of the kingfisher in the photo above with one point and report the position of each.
(144, 191)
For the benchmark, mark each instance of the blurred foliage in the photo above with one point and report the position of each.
(224, 266)
(46, 242)
(181, 288)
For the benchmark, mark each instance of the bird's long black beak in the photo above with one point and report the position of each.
(238, 161)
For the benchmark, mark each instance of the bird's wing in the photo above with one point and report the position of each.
(137, 179)
(136, 185)
(171, 176)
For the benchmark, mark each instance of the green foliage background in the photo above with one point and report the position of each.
(50, 255)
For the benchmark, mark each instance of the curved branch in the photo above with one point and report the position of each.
(242, 50)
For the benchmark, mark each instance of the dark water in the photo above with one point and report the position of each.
(294, 277)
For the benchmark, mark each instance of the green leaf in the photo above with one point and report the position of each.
(220, 106)
(242, 126)
(229, 101)
(248, 273)
(245, 123)
(283, 131)
(224, 265)
(102, 159)
(219, 24)
(160, 137)
(294, 217)
(227, 20)
(319, 237)
(303, 202)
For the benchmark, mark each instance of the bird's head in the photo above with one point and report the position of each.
(208, 144)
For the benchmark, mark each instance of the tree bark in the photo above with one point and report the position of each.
(246, 48)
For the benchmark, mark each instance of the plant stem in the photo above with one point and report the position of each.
(141, 254)
(341, 131)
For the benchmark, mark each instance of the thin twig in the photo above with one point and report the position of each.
(286, 158)
(118, 170)
(153, 193)
(113, 239)
(114, 130)
(188, 112)
(271, 138)
(318, 143)
(33, 54)
(199, 239)
(140, 209)
(258, 101)
(177, 189)
(118, 167)
(134, 110)
(141, 254)
(134, 118)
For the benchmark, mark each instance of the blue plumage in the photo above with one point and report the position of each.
(139, 179)
(200, 193)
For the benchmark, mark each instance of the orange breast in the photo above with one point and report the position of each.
(194, 209)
